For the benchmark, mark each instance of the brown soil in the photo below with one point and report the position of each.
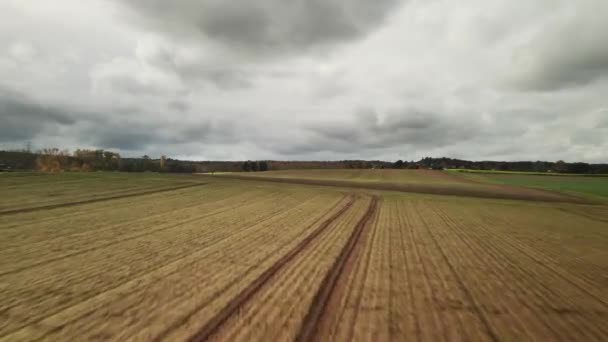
(95, 200)
(478, 190)
(235, 303)
(320, 304)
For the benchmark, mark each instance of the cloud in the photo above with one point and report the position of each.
(312, 79)
(569, 50)
(399, 128)
(267, 27)
(602, 118)
(178, 106)
(124, 76)
(136, 133)
(24, 118)
(123, 138)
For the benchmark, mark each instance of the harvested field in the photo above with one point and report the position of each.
(243, 260)
(363, 175)
(29, 192)
(417, 181)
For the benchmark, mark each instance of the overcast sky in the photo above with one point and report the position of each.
(308, 79)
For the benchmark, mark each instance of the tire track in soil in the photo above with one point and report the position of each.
(366, 260)
(163, 335)
(95, 200)
(235, 303)
(335, 277)
(148, 271)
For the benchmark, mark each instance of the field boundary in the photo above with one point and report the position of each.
(318, 307)
(95, 200)
(527, 173)
(516, 193)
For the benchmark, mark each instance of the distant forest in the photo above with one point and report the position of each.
(56, 160)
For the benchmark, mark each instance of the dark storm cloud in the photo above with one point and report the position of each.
(266, 27)
(22, 118)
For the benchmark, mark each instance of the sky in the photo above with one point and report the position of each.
(307, 79)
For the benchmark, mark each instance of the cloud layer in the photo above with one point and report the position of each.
(266, 27)
(308, 79)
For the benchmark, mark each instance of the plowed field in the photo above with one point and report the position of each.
(190, 258)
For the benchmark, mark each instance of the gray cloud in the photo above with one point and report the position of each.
(266, 27)
(404, 128)
(568, 51)
(123, 138)
(178, 106)
(137, 135)
(192, 64)
(287, 80)
(23, 118)
(602, 118)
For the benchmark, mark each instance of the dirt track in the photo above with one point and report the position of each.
(245, 261)
(339, 270)
(235, 303)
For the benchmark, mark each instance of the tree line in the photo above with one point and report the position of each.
(55, 160)
(559, 166)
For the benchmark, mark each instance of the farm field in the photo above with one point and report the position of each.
(591, 186)
(29, 191)
(110, 256)
(363, 175)
(418, 181)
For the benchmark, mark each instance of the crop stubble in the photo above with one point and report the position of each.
(297, 263)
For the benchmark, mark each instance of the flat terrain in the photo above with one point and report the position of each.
(590, 186)
(148, 257)
(418, 181)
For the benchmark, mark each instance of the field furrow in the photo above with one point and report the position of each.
(100, 198)
(237, 260)
(559, 247)
(348, 315)
(328, 297)
(283, 301)
(404, 297)
(71, 244)
(587, 275)
(186, 282)
(533, 292)
(145, 253)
